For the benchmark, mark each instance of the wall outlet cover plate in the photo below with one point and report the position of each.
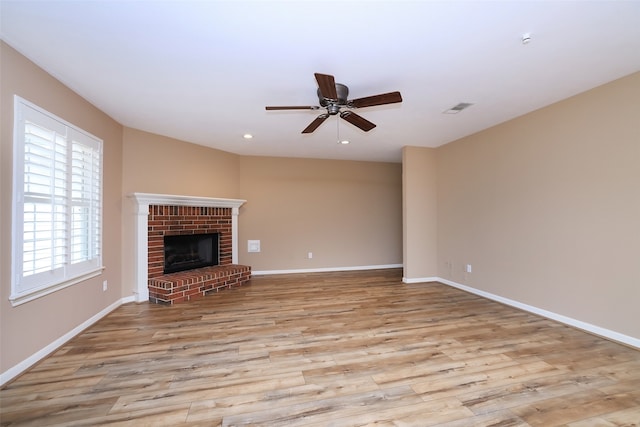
(253, 245)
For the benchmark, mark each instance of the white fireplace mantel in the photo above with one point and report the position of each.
(143, 201)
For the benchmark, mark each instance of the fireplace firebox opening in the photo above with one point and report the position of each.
(189, 251)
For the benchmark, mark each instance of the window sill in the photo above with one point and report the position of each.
(21, 298)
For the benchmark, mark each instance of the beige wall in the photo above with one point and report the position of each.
(157, 164)
(346, 213)
(546, 208)
(30, 327)
(419, 212)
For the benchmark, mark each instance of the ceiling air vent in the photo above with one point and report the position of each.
(457, 108)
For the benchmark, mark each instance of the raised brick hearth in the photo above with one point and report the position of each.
(187, 285)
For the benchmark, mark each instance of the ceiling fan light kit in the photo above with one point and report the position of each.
(334, 97)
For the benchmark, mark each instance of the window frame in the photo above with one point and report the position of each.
(28, 287)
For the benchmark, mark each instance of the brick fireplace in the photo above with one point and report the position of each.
(159, 215)
(165, 220)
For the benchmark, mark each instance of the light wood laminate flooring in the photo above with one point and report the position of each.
(331, 349)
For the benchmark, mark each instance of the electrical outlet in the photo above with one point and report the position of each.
(104, 286)
(310, 255)
(469, 268)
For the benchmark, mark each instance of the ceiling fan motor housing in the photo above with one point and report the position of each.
(333, 105)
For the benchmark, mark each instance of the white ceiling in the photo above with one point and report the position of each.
(203, 71)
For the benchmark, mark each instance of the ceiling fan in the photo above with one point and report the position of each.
(333, 97)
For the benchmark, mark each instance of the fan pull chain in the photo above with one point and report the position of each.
(340, 141)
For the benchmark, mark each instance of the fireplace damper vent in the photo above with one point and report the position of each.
(189, 251)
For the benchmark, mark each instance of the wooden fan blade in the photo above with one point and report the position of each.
(327, 85)
(382, 99)
(314, 124)
(357, 120)
(293, 107)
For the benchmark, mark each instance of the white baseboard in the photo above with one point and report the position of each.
(16, 370)
(588, 327)
(420, 280)
(129, 299)
(327, 269)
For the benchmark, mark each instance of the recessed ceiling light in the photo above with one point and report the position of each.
(343, 142)
(247, 136)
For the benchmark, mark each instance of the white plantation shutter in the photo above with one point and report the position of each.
(45, 219)
(86, 204)
(57, 203)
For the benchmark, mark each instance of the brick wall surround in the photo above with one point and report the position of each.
(184, 286)
(177, 220)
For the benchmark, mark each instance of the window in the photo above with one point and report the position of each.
(57, 204)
